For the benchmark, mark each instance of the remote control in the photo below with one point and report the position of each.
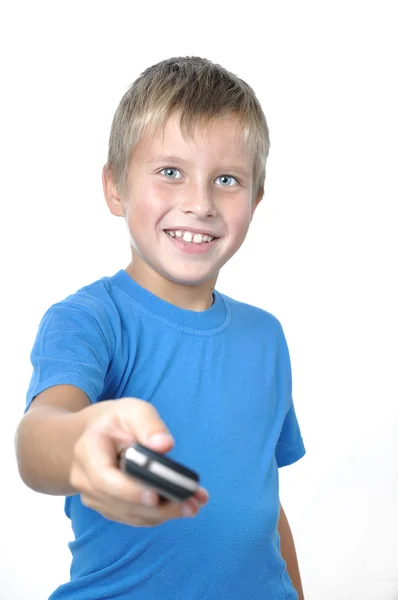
(169, 478)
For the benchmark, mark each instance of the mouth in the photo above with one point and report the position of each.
(192, 242)
(189, 236)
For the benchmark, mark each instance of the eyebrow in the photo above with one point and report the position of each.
(167, 158)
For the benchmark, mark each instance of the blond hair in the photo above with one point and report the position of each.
(200, 91)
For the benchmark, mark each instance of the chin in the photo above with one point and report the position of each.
(185, 279)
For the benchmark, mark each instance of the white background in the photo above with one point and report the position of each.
(321, 254)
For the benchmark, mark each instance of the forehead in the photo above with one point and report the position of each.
(219, 139)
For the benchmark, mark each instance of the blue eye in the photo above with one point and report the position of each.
(227, 180)
(170, 173)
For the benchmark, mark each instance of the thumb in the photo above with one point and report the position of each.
(143, 422)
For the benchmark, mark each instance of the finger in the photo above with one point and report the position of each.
(129, 512)
(139, 515)
(189, 508)
(108, 436)
(143, 421)
(202, 496)
(163, 512)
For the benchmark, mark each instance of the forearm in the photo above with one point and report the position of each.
(45, 443)
(289, 554)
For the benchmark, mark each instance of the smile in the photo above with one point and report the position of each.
(189, 237)
(191, 242)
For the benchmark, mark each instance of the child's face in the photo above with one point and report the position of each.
(179, 192)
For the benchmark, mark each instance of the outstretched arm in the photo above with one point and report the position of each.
(288, 552)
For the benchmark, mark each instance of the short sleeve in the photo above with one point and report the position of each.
(290, 447)
(70, 348)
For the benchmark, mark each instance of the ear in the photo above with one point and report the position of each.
(260, 194)
(111, 192)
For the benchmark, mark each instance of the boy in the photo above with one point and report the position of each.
(155, 351)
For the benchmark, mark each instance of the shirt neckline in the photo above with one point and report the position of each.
(208, 320)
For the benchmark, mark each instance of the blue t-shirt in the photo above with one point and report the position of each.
(221, 381)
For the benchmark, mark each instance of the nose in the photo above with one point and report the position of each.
(199, 200)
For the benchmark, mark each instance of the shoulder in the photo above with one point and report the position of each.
(249, 315)
(95, 297)
(91, 308)
(262, 332)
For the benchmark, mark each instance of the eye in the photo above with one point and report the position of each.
(227, 180)
(171, 173)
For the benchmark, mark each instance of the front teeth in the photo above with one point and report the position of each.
(188, 237)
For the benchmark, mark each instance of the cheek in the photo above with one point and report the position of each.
(149, 204)
(239, 221)
(162, 197)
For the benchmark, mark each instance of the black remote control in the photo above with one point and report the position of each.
(169, 478)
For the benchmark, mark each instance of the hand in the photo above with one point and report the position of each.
(102, 485)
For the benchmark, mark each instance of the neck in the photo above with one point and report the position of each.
(197, 297)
